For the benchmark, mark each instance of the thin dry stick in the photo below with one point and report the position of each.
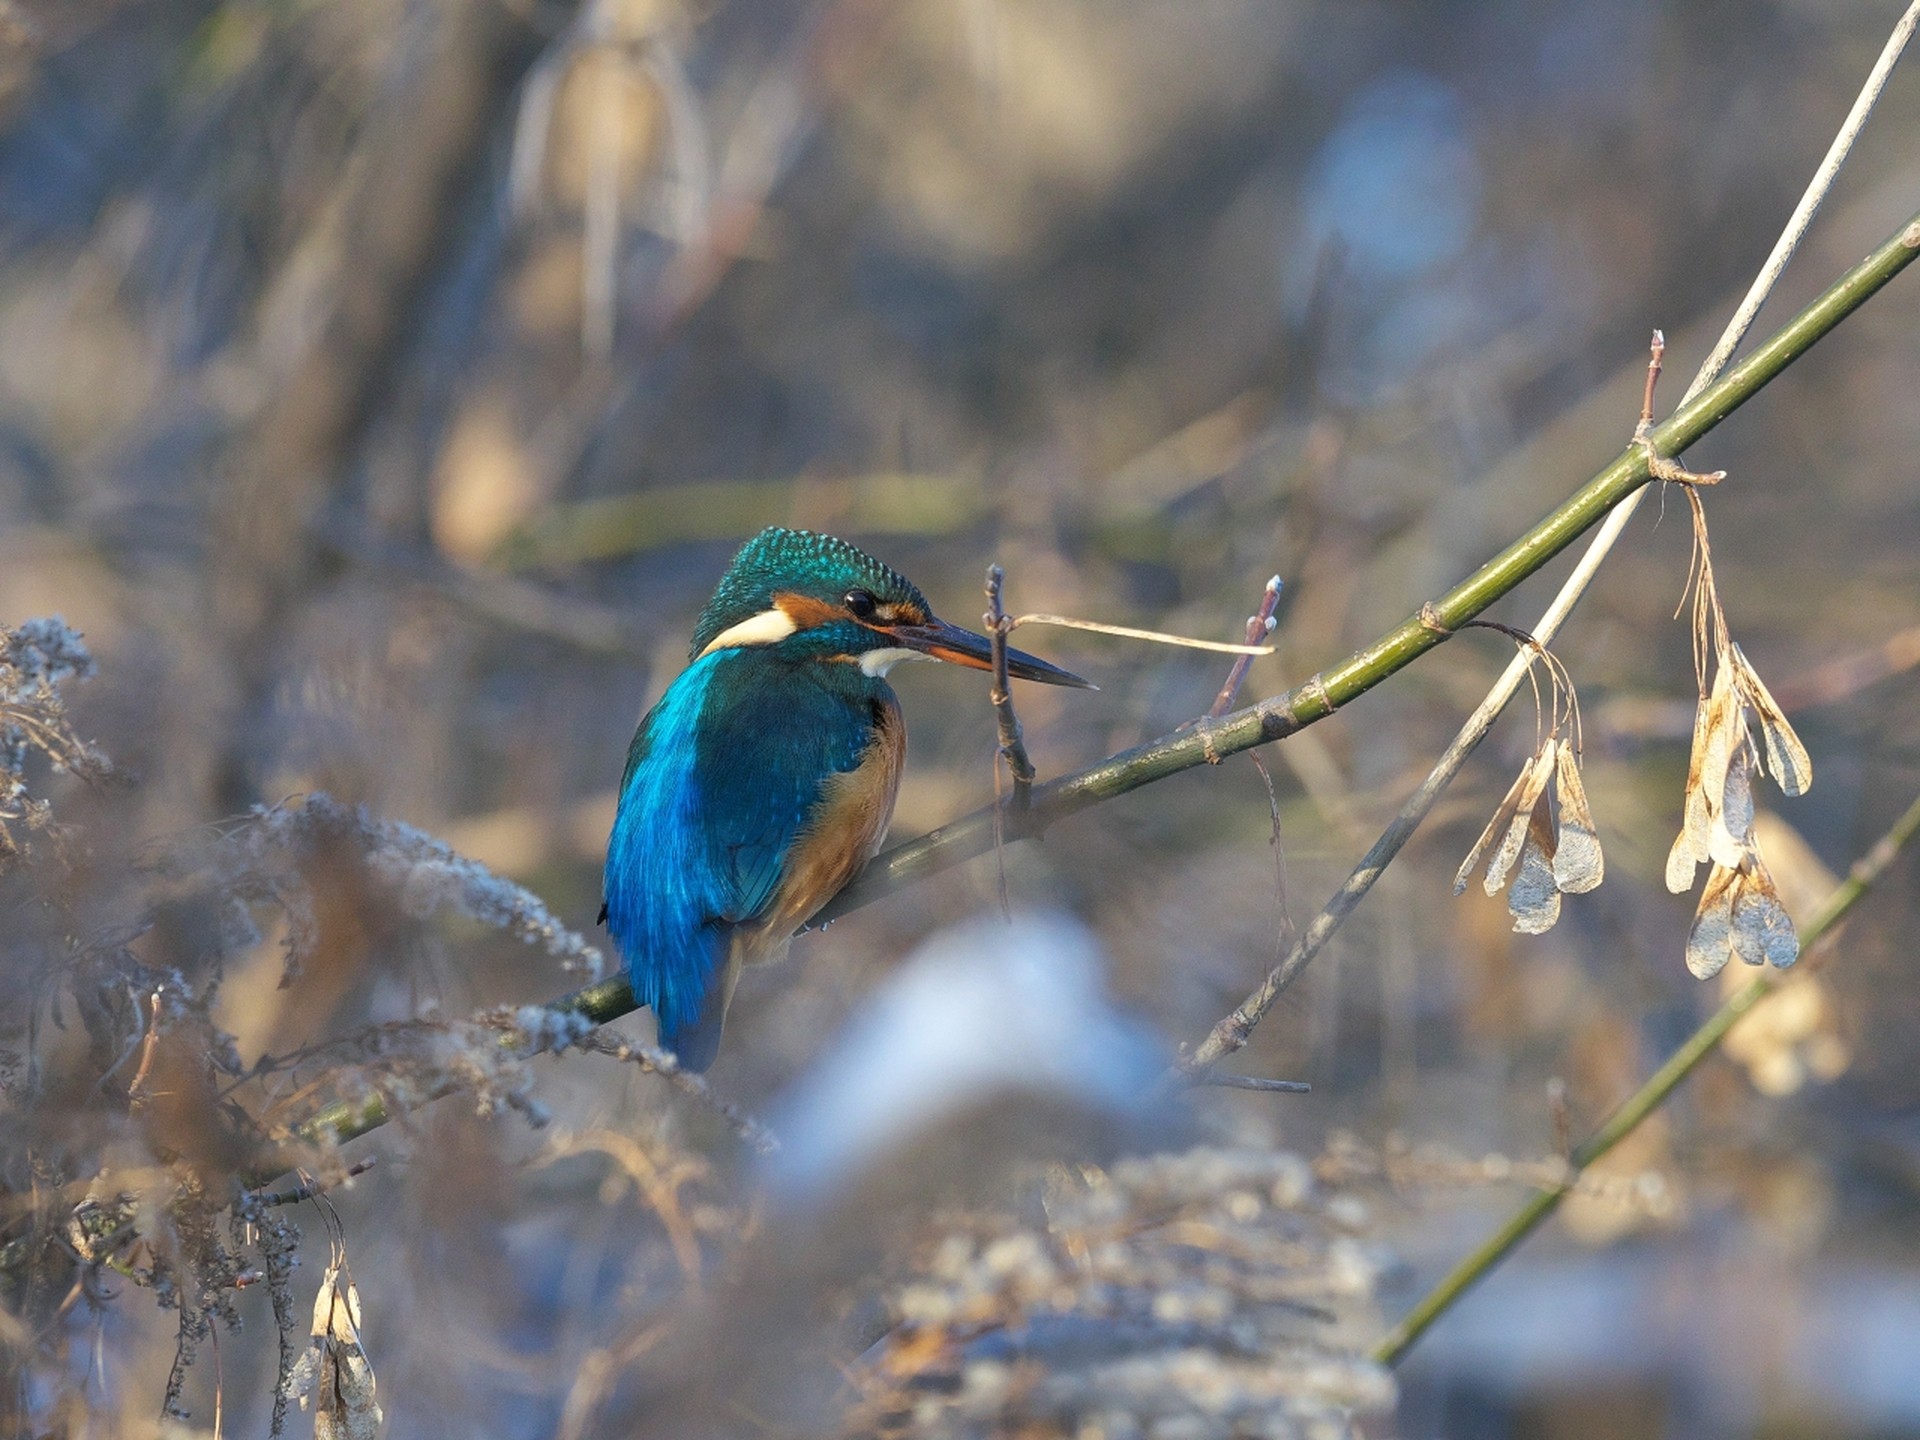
(1233, 1029)
(1648, 1098)
(137, 1091)
(1013, 744)
(1226, 1081)
(311, 1187)
(1259, 626)
(1133, 632)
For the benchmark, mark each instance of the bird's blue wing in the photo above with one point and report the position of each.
(763, 761)
(720, 780)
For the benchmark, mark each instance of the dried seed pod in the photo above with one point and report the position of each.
(1534, 899)
(1503, 814)
(1762, 933)
(1681, 864)
(1710, 938)
(1787, 759)
(1724, 731)
(1730, 840)
(1578, 865)
(334, 1375)
(1538, 773)
(1690, 845)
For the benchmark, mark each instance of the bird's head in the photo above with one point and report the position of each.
(804, 595)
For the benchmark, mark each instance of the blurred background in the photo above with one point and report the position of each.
(385, 383)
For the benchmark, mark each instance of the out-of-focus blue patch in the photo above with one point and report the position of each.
(1397, 184)
(985, 1013)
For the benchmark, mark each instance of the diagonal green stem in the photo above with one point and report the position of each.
(1210, 741)
(1644, 1101)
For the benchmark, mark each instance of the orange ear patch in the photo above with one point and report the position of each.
(807, 612)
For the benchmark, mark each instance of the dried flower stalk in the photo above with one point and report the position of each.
(1740, 912)
(1542, 833)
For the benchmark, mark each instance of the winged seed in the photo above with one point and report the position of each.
(1682, 863)
(1731, 837)
(1710, 939)
(1502, 817)
(1534, 899)
(1762, 932)
(1690, 846)
(1578, 865)
(1787, 759)
(1535, 778)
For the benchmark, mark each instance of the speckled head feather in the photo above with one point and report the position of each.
(822, 567)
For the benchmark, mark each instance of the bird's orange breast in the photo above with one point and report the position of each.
(845, 831)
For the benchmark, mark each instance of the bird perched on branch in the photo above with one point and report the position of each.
(764, 779)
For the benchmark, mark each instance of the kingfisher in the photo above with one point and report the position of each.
(764, 779)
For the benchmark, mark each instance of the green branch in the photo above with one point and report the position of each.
(1210, 741)
(1644, 1101)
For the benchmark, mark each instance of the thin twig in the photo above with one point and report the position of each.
(1654, 361)
(137, 1091)
(1013, 745)
(312, 1187)
(1648, 1098)
(1259, 625)
(1133, 632)
(1226, 1081)
(1233, 1029)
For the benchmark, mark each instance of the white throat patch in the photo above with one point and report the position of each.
(769, 627)
(878, 662)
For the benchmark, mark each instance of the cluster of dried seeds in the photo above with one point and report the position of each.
(1740, 912)
(1542, 834)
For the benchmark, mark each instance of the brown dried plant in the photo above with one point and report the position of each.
(1740, 911)
(1542, 834)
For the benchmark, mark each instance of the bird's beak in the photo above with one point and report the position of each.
(949, 642)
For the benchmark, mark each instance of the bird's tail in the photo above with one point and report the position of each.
(695, 1039)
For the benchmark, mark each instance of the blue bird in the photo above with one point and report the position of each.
(763, 780)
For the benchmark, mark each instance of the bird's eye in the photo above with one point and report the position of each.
(860, 604)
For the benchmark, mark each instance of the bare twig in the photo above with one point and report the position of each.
(1259, 625)
(137, 1090)
(1225, 1081)
(310, 1187)
(1133, 632)
(1013, 745)
(1659, 466)
(1655, 357)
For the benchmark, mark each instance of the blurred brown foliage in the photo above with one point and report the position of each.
(384, 382)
